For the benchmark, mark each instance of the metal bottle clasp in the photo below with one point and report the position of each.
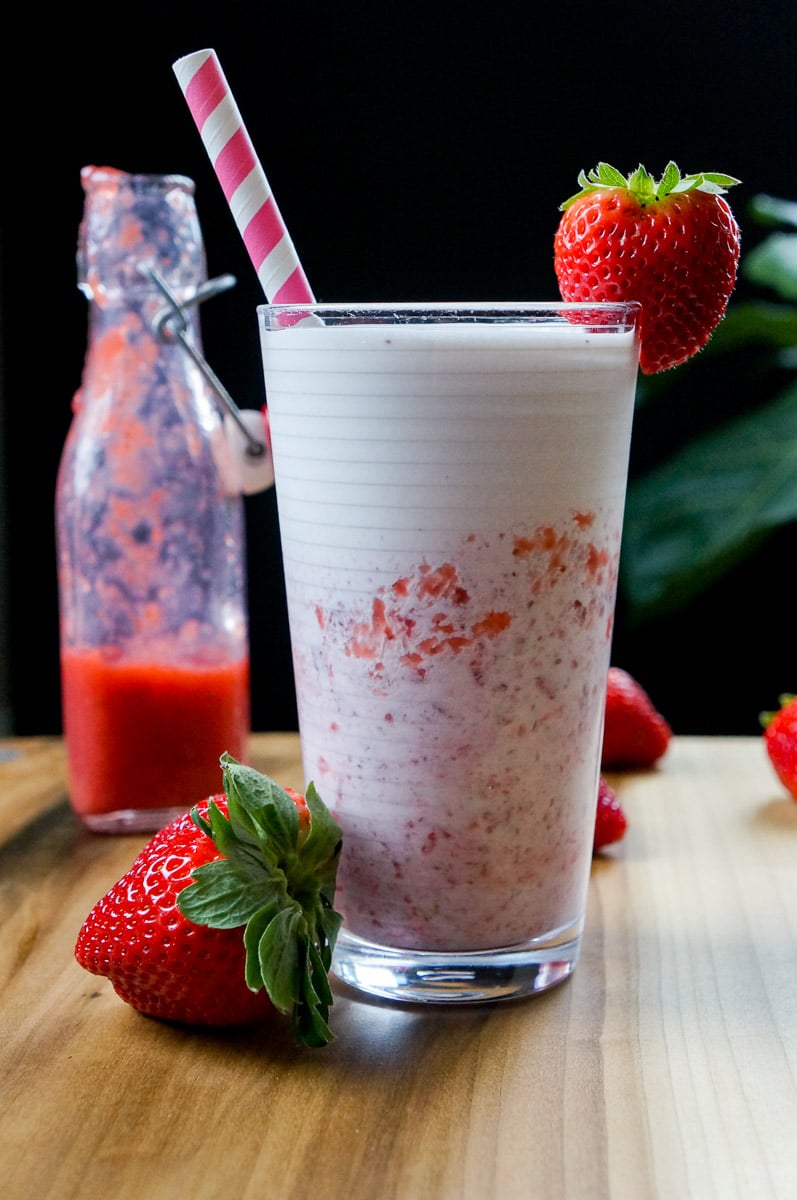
(170, 325)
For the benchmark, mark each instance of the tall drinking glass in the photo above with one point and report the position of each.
(450, 485)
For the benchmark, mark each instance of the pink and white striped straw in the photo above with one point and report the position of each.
(242, 178)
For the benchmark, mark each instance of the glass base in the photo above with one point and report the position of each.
(461, 977)
(130, 820)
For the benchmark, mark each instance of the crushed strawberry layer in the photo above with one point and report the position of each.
(477, 831)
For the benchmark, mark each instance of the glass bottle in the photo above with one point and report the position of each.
(149, 527)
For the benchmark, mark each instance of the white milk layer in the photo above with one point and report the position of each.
(450, 505)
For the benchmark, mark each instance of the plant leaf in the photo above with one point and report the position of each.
(720, 180)
(282, 951)
(330, 922)
(669, 180)
(706, 181)
(223, 898)
(769, 210)
(642, 183)
(310, 1016)
(262, 807)
(751, 323)
(605, 175)
(277, 881)
(317, 978)
(256, 927)
(322, 846)
(705, 508)
(773, 264)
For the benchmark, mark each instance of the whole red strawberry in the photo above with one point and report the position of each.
(610, 820)
(670, 244)
(635, 734)
(226, 912)
(780, 738)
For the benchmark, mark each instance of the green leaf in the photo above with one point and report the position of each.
(310, 1016)
(222, 898)
(669, 180)
(205, 823)
(330, 922)
(773, 264)
(262, 807)
(314, 1031)
(706, 181)
(221, 832)
(608, 176)
(751, 323)
(766, 718)
(318, 983)
(642, 184)
(705, 508)
(276, 879)
(596, 180)
(310, 1026)
(720, 180)
(322, 846)
(256, 927)
(282, 952)
(769, 210)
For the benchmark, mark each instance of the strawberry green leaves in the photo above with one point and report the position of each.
(277, 880)
(766, 718)
(645, 188)
(712, 182)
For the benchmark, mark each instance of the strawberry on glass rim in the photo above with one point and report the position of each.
(670, 244)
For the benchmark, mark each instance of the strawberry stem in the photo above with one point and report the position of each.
(644, 187)
(277, 881)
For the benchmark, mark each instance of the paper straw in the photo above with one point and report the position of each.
(242, 178)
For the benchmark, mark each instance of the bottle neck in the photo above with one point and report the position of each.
(128, 362)
(143, 314)
(134, 222)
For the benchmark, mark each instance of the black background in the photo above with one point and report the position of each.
(417, 151)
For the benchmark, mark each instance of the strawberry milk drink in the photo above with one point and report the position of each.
(451, 482)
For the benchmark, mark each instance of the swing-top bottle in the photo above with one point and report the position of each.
(150, 532)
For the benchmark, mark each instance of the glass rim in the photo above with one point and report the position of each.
(605, 317)
(455, 306)
(95, 177)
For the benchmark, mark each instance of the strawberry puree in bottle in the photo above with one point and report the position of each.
(150, 539)
(124, 717)
(451, 485)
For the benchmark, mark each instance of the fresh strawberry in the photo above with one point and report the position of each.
(610, 820)
(635, 734)
(670, 244)
(780, 739)
(227, 912)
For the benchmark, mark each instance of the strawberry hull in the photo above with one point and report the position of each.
(451, 502)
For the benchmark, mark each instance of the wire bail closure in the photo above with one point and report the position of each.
(170, 325)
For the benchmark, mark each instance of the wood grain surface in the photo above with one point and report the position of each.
(665, 1068)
